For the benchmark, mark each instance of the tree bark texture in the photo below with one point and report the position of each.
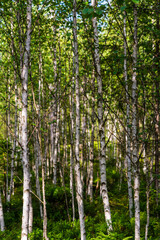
(2, 225)
(26, 171)
(134, 131)
(104, 190)
(79, 188)
(128, 134)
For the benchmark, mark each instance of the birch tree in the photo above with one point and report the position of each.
(128, 134)
(26, 171)
(104, 190)
(79, 187)
(2, 225)
(134, 130)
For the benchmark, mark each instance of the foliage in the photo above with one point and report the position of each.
(46, 45)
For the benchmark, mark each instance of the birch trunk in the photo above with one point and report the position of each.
(104, 190)
(71, 101)
(26, 172)
(84, 138)
(56, 147)
(21, 53)
(79, 189)
(147, 196)
(72, 154)
(91, 155)
(43, 192)
(7, 131)
(38, 159)
(91, 160)
(1, 215)
(128, 134)
(52, 140)
(157, 106)
(11, 189)
(134, 131)
(56, 109)
(37, 153)
(46, 158)
(8, 123)
(30, 212)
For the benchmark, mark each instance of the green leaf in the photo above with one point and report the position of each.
(122, 8)
(135, 1)
(99, 12)
(54, 121)
(85, 11)
(88, 12)
(127, 238)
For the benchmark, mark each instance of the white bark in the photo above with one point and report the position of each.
(146, 171)
(30, 212)
(38, 159)
(52, 130)
(8, 123)
(37, 154)
(26, 172)
(91, 159)
(46, 158)
(56, 147)
(56, 109)
(21, 52)
(43, 192)
(79, 189)
(91, 155)
(14, 143)
(84, 138)
(147, 210)
(2, 225)
(104, 191)
(71, 102)
(15, 128)
(7, 131)
(147, 196)
(134, 132)
(128, 141)
(72, 153)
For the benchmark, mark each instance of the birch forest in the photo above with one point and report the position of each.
(80, 120)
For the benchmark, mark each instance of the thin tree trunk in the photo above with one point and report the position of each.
(46, 159)
(56, 147)
(84, 140)
(11, 189)
(37, 154)
(71, 153)
(91, 156)
(30, 212)
(134, 132)
(147, 202)
(26, 171)
(71, 101)
(157, 106)
(56, 109)
(1, 215)
(38, 159)
(104, 190)
(79, 188)
(43, 192)
(7, 133)
(91, 160)
(21, 53)
(128, 134)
